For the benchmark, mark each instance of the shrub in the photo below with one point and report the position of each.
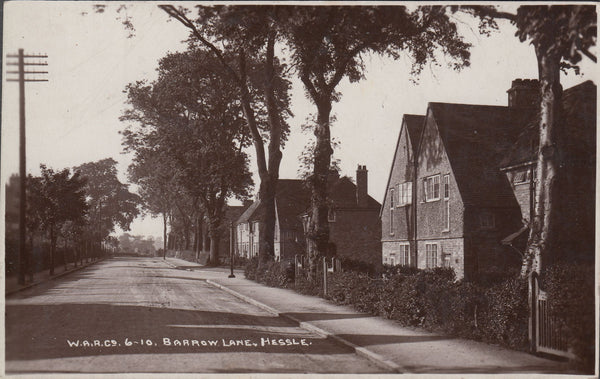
(506, 315)
(570, 293)
(273, 274)
(250, 268)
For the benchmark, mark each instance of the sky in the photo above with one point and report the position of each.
(74, 117)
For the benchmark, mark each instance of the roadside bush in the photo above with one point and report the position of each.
(570, 293)
(273, 274)
(506, 316)
(251, 268)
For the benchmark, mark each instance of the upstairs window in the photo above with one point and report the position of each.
(404, 193)
(391, 198)
(431, 187)
(522, 175)
(446, 186)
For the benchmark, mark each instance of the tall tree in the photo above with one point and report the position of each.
(56, 199)
(110, 202)
(156, 185)
(191, 116)
(237, 36)
(328, 44)
(561, 36)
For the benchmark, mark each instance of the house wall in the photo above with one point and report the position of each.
(450, 253)
(356, 234)
(521, 190)
(485, 251)
(432, 160)
(397, 223)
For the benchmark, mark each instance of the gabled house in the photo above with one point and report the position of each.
(354, 224)
(291, 200)
(353, 220)
(398, 233)
(460, 205)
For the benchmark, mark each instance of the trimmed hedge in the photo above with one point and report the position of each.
(571, 299)
(494, 311)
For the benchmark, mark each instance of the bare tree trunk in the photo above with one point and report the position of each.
(539, 246)
(318, 233)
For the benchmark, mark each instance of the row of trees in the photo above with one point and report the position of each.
(253, 51)
(80, 206)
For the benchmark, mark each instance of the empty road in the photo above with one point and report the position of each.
(138, 315)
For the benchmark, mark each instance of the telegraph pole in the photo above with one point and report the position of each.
(22, 151)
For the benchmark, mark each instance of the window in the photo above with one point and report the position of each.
(331, 215)
(405, 255)
(446, 215)
(392, 259)
(431, 186)
(431, 251)
(487, 220)
(404, 193)
(446, 186)
(391, 211)
(522, 176)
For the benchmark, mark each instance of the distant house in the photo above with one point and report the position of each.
(353, 220)
(354, 225)
(291, 200)
(447, 202)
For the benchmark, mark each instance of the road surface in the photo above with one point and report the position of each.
(137, 315)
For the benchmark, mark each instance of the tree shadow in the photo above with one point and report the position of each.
(36, 331)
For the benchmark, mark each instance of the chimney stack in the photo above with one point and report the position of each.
(361, 186)
(524, 93)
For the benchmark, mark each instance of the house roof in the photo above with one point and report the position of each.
(414, 124)
(579, 107)
(293, 200)
(476, 137)
(342, 193)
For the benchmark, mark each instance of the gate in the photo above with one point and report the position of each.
(544, 331)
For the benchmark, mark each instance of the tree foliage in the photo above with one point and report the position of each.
(190, 119)
(329, 43)
(57, 205)
(110, 202)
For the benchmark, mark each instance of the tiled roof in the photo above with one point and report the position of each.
(293, 200)
(476, 137)
(579, 107)
(414, 125)
(342, 193)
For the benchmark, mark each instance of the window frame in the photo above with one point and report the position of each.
(426, 189)
(429, 257)
(404, 194)
(404, 254)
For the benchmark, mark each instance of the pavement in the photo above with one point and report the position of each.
(391, 346)
(11, 283)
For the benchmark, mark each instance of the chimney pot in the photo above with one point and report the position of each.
(524, 93)
(361, 186)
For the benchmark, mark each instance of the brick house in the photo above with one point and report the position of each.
(291, 200)
(447, 203)
(353, 220)
(577, 229)
(354, 224)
